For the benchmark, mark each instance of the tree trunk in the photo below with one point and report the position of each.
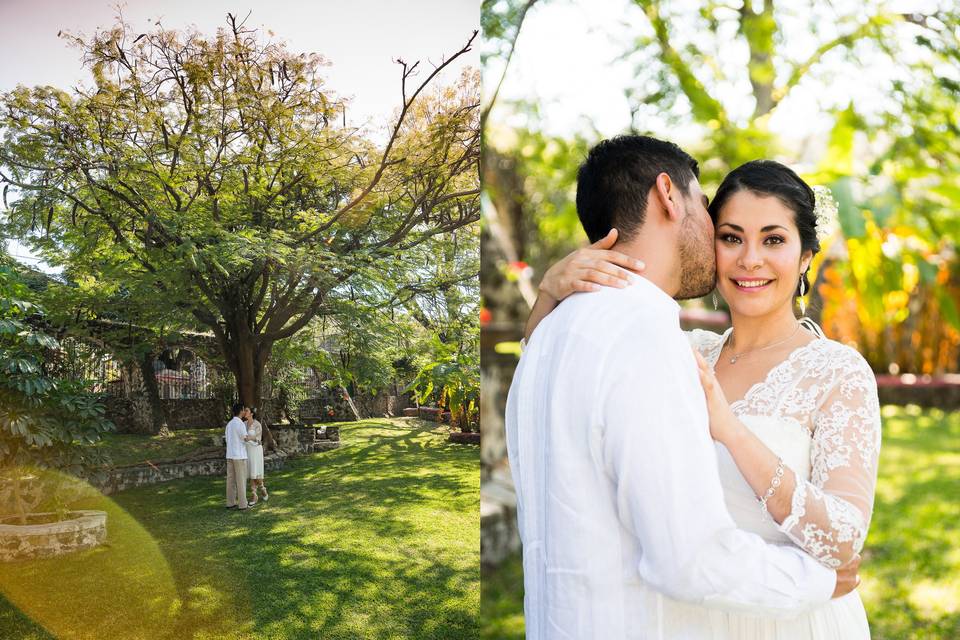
(349, 398)
(158, 415)
(248, 359)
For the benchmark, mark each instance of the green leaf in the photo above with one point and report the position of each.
(948, 308)
(851, 217)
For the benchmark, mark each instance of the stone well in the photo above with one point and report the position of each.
(84, 530)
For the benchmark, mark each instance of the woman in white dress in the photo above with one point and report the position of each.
(254, 445)
(798, 447)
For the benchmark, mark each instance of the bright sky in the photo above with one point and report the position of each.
(360, 38)
(569, 62)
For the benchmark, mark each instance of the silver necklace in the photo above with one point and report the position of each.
(737, 356)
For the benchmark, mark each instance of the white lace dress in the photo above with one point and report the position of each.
(255, 451)
(818, 410)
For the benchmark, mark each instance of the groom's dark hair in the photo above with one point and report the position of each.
(614, 180)
(237, 408)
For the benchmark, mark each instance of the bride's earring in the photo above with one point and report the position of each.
(803, 304)
(714, 296)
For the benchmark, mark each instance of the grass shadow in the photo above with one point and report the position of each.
(376, 539)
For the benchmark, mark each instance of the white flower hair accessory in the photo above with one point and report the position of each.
(826, 211)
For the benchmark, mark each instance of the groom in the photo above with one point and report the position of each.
(234, 435)
(618, 491)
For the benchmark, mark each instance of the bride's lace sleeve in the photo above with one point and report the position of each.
(830, 514)
(703, 341)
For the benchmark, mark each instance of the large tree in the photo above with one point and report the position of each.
(221, 172)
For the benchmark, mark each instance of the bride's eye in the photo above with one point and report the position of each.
(729, 238)
(774, 240)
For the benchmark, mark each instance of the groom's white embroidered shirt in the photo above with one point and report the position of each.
(234, 434)
(618, 492)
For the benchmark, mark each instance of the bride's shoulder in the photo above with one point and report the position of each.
(703, 340)
(843, 357)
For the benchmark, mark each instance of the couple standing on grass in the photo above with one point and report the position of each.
(244, 435)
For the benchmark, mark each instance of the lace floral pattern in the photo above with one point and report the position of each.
(829, 389)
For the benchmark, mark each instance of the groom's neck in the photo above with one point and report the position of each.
(660, 254)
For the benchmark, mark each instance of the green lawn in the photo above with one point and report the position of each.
(911, 566)
(377, 539)
(126, 449)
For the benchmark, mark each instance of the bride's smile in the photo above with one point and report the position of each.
(759, 256)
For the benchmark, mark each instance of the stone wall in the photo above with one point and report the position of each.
(132, 414)
(85, 530)
(290, 442)
(294, 440)
(316, 407)
(114, 480)
(367, 405)
(942, 392)
(195, 414)
(377, 406)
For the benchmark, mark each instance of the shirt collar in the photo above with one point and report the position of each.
(641, 285)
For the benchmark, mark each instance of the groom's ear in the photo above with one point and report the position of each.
(668, 197)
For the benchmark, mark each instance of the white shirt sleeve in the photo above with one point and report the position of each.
(658, 453)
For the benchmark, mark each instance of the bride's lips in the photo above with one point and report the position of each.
(751, 285)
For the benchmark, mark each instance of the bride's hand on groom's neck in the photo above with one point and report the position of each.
(590, 268)
(583, 270)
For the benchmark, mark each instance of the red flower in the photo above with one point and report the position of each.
(517, 269)
(485, 316)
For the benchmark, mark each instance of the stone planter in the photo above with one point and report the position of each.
(411, 412)
(84, 530)
(434, 414)
(333, 433)
(464, 438)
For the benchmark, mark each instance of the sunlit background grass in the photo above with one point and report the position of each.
(911, 563)
(377, 539)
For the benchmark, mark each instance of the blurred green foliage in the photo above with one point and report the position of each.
(44, 422)
(890, 283)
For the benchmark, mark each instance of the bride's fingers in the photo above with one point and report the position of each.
(707, 385)
(583, 285)
(618, 279)
(602, 271)
(701, 363)
(707, 378)
(607, 241)
(702, 370)
(703, 378)
(621, 260)
(603, 266)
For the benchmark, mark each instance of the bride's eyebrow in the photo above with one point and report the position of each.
(736, 227)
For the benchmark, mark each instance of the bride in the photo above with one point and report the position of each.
(798, 445)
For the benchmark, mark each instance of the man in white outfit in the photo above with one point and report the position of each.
(620, 505)
(234, 435)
